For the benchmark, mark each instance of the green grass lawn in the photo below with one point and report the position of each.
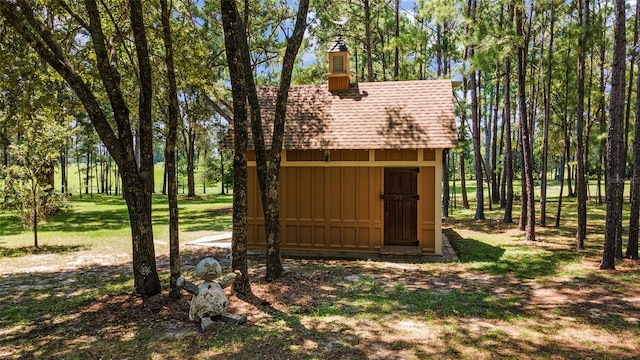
(73, 298)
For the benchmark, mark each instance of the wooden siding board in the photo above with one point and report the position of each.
(339, 207)
(349, 194)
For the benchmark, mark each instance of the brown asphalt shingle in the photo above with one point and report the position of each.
(379, 115)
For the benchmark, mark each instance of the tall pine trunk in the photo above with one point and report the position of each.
(632, 245)
(475, 126)
(547, 116)
(525, 142)
(581, 181)
(508, 149)
(463, 136)
(495, 194)
(615, 144)
(565, 130)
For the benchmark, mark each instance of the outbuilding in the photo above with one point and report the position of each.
(361, 171)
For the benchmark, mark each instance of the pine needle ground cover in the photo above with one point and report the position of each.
(72, 299)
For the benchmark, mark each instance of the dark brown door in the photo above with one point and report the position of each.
(400, 206)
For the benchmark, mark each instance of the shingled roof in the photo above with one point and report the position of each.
(377, 115)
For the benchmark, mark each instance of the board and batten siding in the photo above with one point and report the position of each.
(335, 205)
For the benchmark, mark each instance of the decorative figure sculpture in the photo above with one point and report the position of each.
(209, 300)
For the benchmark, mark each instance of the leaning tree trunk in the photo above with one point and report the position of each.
(137, 181)
(268, 174)
(615, 144)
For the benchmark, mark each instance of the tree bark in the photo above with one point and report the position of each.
(445, 183)
(463, 133)
(581, 183)
(475, 130)
(367, 44)
(269, 174)
(632, 245)
(190, 142)
(495, 194)
(508, 150)
(234, 33)
(396, 59)
(136, 182)
(527, 155)
(615, 144)
(601, 109)
(170, 154)
(547, 119)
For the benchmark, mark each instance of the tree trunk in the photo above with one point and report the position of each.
(77, 152)
(268, 174)
(547, 116)
(144, 264)
(234, 34)
(488, 131)
(495, 195)
(476, 147)
(34, 215)
(463, 133)
(565, 153)
(221, 172)
(136, 182)
(164, 177)
(396, 59)
(191, 154)
(615, 145)
(367, 44)
(627, 115)
(170, 154)
(88, 173)
(632, 245)
(63, 170)
(508, 150)
(445, 183)
(138, 199)
(601, 109)
(581, 183)
(524, 131)
(475, 130)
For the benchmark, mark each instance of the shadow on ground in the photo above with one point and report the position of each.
(330, 309)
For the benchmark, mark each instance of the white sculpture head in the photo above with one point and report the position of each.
(208, 269)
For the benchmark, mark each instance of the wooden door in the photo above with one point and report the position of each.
(400, 206)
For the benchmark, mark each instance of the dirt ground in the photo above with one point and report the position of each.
(323, 309)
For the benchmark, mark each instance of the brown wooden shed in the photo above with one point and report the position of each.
(361, 168)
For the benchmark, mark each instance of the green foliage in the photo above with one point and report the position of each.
(27, 184)
(212, 170)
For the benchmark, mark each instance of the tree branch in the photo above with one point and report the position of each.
(224, 113)
(74, 15)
